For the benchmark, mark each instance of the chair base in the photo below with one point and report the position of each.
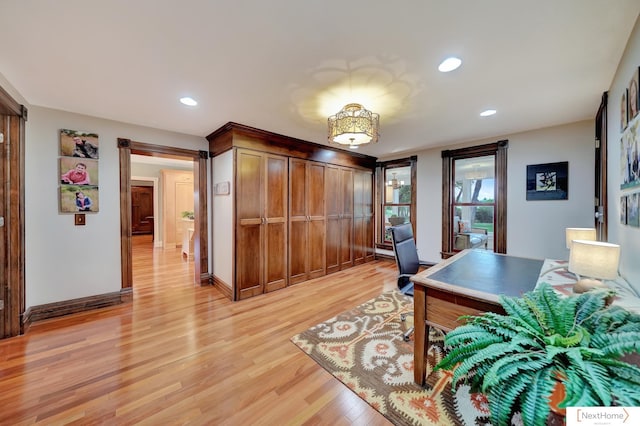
(406, 336)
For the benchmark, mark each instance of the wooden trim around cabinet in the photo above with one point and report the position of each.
(242, 136)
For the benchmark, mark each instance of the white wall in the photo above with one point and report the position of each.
(222, 206)
(534, 228)
(64, 261)
(628, 237)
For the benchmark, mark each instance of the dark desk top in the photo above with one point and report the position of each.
(483, 274)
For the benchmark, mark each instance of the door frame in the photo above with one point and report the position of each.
(12, 258)
(601, 197)
(126, 147)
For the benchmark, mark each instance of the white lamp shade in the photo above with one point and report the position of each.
(579, 234)
(594, 259)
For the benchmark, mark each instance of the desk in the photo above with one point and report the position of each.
(468, 283)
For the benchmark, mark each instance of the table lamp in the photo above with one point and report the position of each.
(595, 261)
(579, 234)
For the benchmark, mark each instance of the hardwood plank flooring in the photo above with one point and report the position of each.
(184, 354)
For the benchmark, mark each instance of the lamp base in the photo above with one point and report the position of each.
(587, 284)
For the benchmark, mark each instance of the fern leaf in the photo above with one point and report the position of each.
(511, 365)
(535, 398)
(617, 344)
(502, 399)
(597, 379)
(483, 356)
(460, 352)
(629, 397)
(588, 303)
(518, 309)
(577, 391)
(622, 370)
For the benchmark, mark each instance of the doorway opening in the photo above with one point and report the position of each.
(164, 237)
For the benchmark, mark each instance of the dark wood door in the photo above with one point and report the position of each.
(3, 231)
(275, 222)
(358, 218)
(306, 220)
(298, 236)
(249, 218)
(316, 247)
(261, 223)
(363, 249)
(346, 218)
(141, 210)
(334, 209)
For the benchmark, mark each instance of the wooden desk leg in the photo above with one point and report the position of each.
(421, 335)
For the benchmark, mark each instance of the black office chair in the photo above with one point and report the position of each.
(404, 247)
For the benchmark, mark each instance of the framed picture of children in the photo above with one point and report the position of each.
(77, 171)
(79, 198)
(633, 95)
(633, 218)
(74, 143)
(623, 111)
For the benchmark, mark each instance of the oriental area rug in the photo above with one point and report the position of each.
(365, 350)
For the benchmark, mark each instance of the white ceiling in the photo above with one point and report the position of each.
(285, 65)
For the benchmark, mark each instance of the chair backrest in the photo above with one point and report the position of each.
(404, 247)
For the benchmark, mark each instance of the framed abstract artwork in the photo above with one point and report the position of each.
(548, 181)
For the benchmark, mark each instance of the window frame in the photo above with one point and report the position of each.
(497, 149)
(381, 172)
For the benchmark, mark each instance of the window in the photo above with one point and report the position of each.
(474, 198)
(397, 197)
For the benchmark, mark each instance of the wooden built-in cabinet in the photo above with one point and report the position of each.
(302, 210)
(363, 223)
(339, 195)
(261, 223)
(307, 223)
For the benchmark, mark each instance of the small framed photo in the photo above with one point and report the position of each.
(633, 218)
(548, 181)
(74, 143)
(633, 96)
(79, 199)
(624, 119)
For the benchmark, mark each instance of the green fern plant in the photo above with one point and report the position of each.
(516, 359)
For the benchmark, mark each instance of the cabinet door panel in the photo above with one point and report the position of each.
(346, 219)
(297, 189)
(297, 251)
(249, 261)
(315, 190)
(275, 266)
(275, 246)
(276, 188)
(316, 248)
(249, 185)
(333, 200)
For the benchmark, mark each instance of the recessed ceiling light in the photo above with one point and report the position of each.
(188, 101)
(488, 112)
(353, 146)
(449, 64)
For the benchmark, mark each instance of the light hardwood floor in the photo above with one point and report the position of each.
(182, 354)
